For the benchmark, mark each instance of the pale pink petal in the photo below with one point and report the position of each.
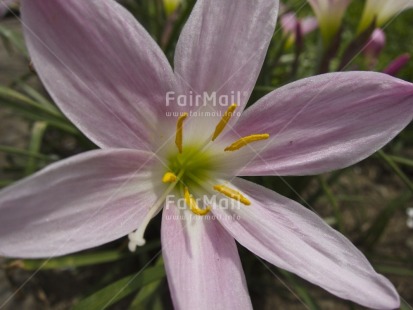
(77, 203)
(101, 67)
(293, 238)
(222, 48)
(202, 263)
(324, 123)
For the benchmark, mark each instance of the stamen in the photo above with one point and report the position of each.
(246, 140)
(193, 206)
(179, 126)
(232, 193)
(224, 121)
(169, 177)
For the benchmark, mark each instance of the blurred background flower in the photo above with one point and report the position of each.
(374, 47)
(292, 26)
(380, 11)
(330, 15)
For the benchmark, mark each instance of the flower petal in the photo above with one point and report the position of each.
(308, 24)
(293, 238)
(289, 22)
(222, 47)
(202, 263)
(77, 203)
(101, 67)
(324, 123)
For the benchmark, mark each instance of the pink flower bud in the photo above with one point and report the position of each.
(396, 65)
(375, 44)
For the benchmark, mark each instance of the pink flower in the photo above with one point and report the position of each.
(290, 24)
(375, 45)
(110, 78)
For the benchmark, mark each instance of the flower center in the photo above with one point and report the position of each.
(191, 169)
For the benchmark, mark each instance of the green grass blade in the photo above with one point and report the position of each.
(333, 202)
(39, 128)
(78, 260)
(14, 97)
(38, 97)
(401, 160)
(147, 294)
(13, 39)
(394, 270)
(21, 152)
(395, 167)
(301, 291)
(120, 289)
(35, 116)
(377, 228)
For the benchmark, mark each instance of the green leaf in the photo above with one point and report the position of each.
(333, 202)
(405, 305)
(146, 298)
(120, 289)
(15, 151)
(71, 261)
(79, 260)
(394, 270)
(395, 167)
(331, 180)
(38, 97)
(402, 160)
(373, 234)
(36, 116)
(38, 131)
(14, 97)
(13, 39)
(301, 291)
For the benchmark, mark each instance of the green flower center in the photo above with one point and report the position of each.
(194, 165)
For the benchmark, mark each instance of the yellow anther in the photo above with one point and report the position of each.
(179, 126)
(193, 206)
(169, 177)
(246, 140)
(224, 121)
(232, 193)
